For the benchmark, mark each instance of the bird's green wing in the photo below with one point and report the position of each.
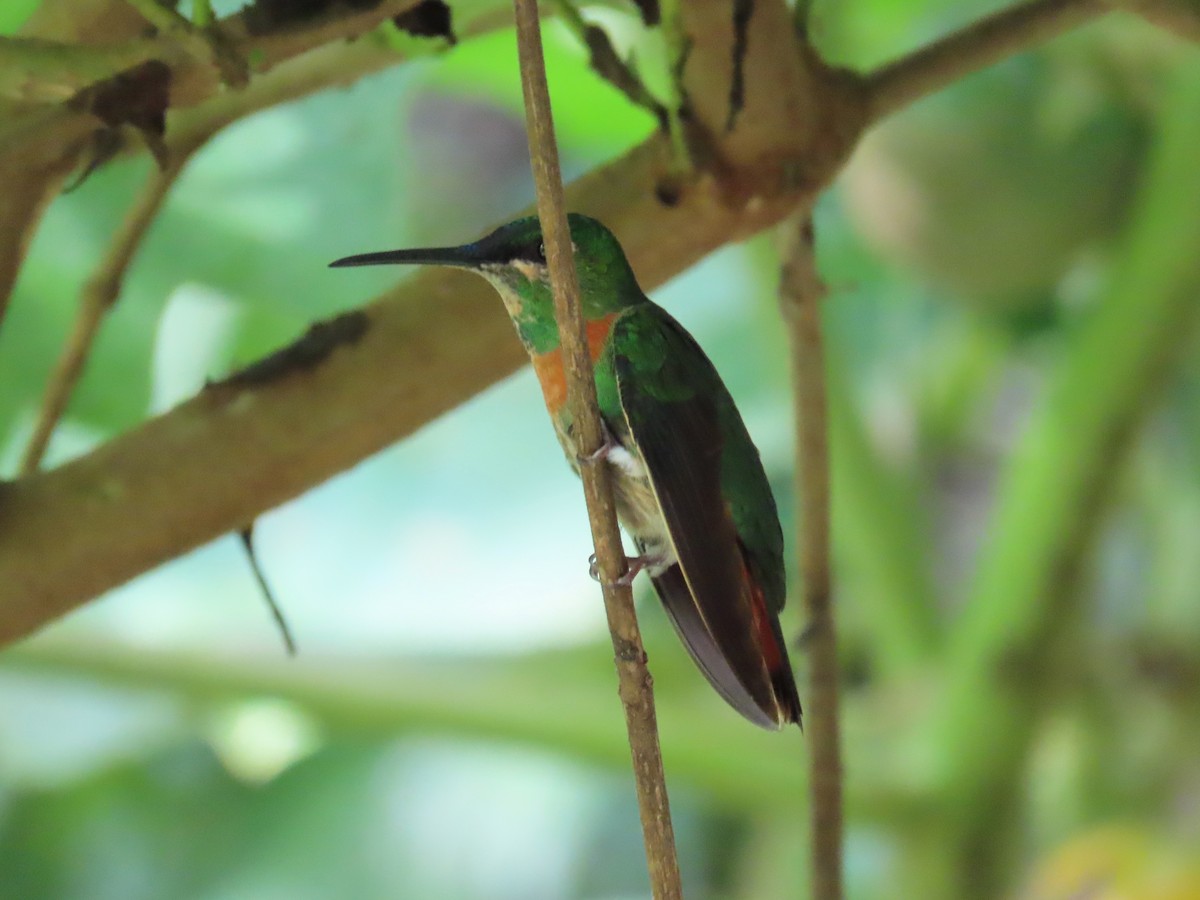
(721, 518)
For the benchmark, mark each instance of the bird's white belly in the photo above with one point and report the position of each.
(626, 463)
(638, 509)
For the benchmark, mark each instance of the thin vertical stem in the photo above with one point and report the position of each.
(636, 692)
(98, 297)
(801, 293)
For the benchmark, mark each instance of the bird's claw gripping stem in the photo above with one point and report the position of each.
(608, 445)
(635, 565)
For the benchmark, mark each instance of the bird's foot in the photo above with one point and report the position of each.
(601, 453)
(634, 565)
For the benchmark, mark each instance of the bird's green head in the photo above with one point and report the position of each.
(513, 259)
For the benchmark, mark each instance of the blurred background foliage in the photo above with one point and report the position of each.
(450, 728)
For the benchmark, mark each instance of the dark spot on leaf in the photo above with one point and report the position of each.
(651, 14)
(742, 11)
(306, 353)
(429, 18)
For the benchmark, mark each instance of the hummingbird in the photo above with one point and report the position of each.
(689, 486)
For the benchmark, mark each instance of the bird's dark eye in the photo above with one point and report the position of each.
(532, 252)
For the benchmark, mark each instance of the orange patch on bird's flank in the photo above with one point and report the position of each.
(549, 366)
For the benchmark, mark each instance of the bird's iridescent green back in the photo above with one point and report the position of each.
(670, 367)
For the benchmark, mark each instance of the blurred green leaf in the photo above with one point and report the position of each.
(588, 112)
(1062, 475)
(14, 13)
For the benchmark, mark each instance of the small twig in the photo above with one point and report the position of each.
(608, 64)
(977, 46)
(99, 294)
(247, 537)
(636, 692)
(800, 295)
(678, 47)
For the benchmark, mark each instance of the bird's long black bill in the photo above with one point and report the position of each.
(461, 257)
